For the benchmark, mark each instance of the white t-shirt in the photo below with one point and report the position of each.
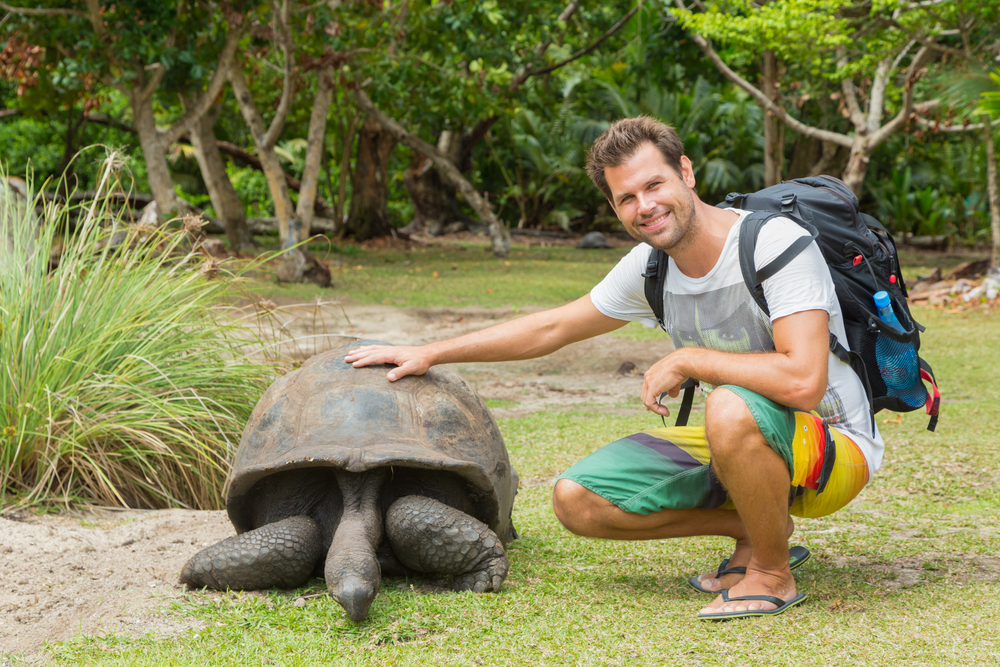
(717, 311)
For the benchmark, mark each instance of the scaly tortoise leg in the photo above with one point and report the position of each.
(429, 536)
(278, 555)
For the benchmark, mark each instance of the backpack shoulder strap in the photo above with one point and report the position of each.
(656, 279)
(749, 232)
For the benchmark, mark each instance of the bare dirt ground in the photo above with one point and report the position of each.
(103, 571)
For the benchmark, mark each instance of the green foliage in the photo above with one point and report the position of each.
(932, 212)
(949, 172)
(990, 102)
(894, 198)
(551, 184)
(793, 29)
(123, 382)
(251, 186)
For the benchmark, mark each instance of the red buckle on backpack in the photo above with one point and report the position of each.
(858, 259)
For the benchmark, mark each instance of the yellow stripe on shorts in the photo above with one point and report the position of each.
(849, 475)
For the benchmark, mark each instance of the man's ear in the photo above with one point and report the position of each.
(687, 172)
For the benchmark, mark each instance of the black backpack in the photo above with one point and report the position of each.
(862, 259)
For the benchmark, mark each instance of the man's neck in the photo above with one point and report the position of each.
(701, 252)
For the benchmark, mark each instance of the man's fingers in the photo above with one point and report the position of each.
(368, 355)
(404, 369)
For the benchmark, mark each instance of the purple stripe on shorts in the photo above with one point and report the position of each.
(668, 449)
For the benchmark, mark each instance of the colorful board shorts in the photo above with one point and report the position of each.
(668, 468)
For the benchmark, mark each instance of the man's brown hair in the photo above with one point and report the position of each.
(622, 140)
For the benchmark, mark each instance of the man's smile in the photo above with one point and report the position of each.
(655, 223)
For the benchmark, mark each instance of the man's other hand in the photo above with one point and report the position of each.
(408, 360)
(665, 376)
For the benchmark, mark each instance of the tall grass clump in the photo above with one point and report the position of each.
(122, 382)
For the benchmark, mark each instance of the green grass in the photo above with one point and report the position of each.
(906, 575)
(121, 382)
(466, 275)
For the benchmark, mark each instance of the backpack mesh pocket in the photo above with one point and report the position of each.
(900, 370)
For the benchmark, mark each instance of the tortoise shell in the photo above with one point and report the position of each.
(431, 430)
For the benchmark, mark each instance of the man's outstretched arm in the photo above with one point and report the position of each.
(527, 337)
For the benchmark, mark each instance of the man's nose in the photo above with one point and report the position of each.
(646, 203)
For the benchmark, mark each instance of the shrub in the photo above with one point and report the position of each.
(123, 381)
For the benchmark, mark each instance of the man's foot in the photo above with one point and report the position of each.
(755, 584)
(711, 582)
(797, 556)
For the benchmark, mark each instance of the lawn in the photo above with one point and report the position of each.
(907, 574)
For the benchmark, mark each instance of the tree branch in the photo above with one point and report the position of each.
(287, 88)
(568, 12)
(764, 100)
(215, 84)
(912, 74)
(581, 53)
(477, 134)
(31, 11)
(923, 39)
(935, 126)
(499, 235)
(851, 94)
(876, 105)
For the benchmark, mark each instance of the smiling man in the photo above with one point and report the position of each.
(782, 409)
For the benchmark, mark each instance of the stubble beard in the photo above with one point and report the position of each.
(676, 235)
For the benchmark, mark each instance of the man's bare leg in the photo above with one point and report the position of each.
(758, 482)
(587, 514)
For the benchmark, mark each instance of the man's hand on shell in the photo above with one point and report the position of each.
(408, 360)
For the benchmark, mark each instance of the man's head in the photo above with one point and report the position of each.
(639, 165)
(622, 140)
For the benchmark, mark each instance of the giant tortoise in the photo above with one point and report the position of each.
(407, 476)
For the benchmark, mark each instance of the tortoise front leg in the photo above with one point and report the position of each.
(278, 555)
(429, 536)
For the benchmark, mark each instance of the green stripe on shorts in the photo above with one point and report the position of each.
(775, 421)
(642, 480)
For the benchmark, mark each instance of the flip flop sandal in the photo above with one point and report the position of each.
(796, 557)
(750, 613)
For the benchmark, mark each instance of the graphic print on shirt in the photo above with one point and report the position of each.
(724, 319)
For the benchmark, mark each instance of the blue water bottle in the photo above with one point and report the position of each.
(897, 362)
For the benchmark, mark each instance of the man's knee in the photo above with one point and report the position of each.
(575, 506)
(729, 424)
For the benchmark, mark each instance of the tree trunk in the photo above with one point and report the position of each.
(499, 234)
(275, 175)
(994, 192)
(225, 200)
(154, 152)
(75, 125)
(369, 217)
(774, 130)
(432, 210)
(857, 164)
(315, 147)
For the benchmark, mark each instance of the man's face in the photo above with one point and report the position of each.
(652, 200)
